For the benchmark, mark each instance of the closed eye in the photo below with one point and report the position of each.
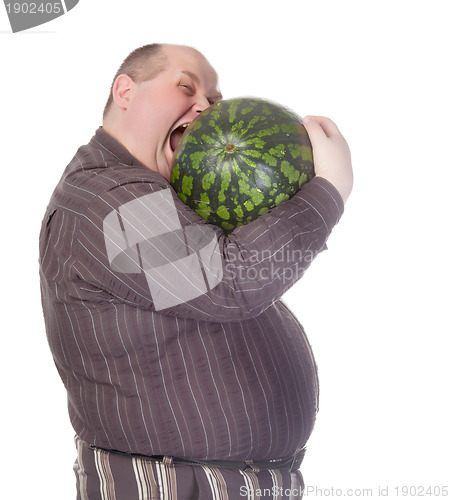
(188, 88)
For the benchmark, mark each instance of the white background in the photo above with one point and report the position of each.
(375, 305)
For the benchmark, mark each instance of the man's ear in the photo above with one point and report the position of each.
(121, 90)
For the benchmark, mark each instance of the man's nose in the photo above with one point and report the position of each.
(201, 104)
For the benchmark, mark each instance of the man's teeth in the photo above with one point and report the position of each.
(176, 135)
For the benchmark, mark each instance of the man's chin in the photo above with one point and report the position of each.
(167, 156)
(169, 159)
(165, 167)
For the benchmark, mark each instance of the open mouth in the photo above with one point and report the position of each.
(175, 136)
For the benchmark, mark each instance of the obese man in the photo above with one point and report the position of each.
(187, 378)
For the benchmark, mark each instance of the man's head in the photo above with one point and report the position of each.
(141, 65)
(158, 90)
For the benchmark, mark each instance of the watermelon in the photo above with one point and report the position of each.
(239, 158)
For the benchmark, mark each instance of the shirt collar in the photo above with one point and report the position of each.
(114, 147)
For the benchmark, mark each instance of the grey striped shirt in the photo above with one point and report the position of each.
(169, 335)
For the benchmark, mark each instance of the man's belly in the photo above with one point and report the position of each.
(238, 390)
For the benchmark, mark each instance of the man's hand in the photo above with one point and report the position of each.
(332, 159)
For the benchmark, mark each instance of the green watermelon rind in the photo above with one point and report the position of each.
(269, 158)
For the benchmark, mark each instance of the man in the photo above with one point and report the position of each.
(186, 378)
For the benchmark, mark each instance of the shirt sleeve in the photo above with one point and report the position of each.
(139, 244)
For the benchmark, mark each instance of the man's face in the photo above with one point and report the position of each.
(160, 108)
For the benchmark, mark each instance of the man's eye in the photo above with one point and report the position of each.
(187, 87)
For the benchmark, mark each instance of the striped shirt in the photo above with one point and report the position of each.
(169, 335)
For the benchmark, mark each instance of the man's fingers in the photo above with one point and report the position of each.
(332, 159)
(313, 127)
(320, 125)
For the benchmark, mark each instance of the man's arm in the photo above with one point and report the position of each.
(143, 246)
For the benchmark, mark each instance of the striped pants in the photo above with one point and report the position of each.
(109, 476)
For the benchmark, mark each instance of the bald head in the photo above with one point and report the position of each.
(158, 90)
(146, 63)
